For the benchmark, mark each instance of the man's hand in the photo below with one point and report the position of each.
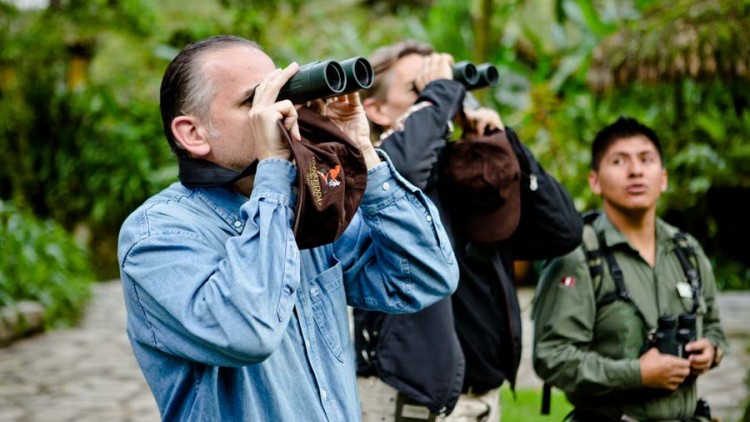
(663, 371)
(347, 113)
(701, 357)
(435, 66)
(266, 112)
(481, 119)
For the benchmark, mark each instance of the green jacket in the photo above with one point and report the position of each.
(592, 355)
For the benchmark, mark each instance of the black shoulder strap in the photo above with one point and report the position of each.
(593, 257)
(597, 252)
(685, 254)
(546, 398)
(621, 292)
(591, 249)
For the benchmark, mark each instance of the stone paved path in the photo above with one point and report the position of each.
(88, 373)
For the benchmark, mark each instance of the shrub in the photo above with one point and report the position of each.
(43, 263)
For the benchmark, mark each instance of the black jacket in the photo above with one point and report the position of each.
(472, 339)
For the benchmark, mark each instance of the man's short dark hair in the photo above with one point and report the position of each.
(623, 127)
(185, 90)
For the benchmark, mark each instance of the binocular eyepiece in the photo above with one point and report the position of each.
(325, 79)
(672, 335)
(475, 76)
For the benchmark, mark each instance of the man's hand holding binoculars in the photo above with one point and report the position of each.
(701, 357)
(347, 113)
(660, 370)
(266, 112)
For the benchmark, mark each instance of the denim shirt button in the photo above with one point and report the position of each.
(429, 218)
(323, 394)
(314, 291)
(386, 186)
(238, 224)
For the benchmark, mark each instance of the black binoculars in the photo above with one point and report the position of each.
(672, 335)
(475, 76)
(330, 78)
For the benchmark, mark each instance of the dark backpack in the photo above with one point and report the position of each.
(597, 256)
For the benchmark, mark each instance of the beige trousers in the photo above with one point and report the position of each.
(378, 402)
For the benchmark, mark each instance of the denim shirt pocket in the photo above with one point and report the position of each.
(328, 300)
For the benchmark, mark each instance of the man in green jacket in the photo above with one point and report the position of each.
(596, 334)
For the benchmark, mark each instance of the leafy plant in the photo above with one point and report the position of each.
(81, 139)
(43, 263)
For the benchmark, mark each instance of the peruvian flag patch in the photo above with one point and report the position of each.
(568, 281)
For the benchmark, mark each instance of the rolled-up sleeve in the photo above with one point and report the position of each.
(396, 254)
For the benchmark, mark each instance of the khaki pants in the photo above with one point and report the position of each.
(378, 403)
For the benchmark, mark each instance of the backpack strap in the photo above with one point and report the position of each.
(591, 249)
(546, 398)
(596, 251)
(594, 261)
(689, 262)
(621, 292)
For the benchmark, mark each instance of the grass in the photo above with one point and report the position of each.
(527, 405)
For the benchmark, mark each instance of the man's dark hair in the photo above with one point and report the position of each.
(184, 88)
(623, 127)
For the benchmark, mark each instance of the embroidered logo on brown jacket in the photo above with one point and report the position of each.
(317, 174)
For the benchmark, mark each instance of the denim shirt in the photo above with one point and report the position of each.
(230, 321)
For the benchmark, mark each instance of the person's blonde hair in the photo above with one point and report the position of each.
(382, 60)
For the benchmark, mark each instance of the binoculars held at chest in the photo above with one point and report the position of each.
(673, 334)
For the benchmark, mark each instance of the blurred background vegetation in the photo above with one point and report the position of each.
(81, 142)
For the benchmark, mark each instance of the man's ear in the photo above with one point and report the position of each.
(594, 183)
(374, 110)
(189, 133)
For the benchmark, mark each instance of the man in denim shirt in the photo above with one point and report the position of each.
(228, 318)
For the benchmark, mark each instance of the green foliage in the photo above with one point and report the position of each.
(731, 275)
(43, 263)
(703, 123)
(81, 139)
